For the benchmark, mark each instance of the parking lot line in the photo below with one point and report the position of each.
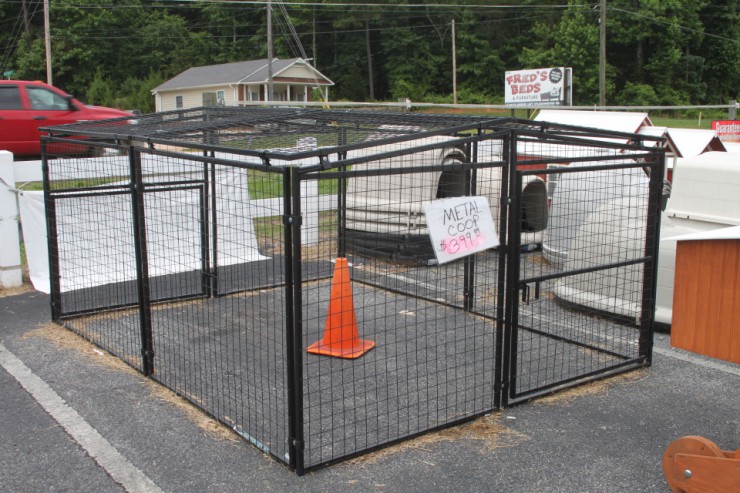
(105, 454)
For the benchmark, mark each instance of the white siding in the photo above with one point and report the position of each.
(301, 72)
(193, 98)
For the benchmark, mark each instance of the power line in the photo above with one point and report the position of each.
(12, 46)
(673, 24)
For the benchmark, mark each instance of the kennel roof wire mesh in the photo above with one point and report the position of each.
(308, 137)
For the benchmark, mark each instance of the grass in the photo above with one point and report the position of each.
(266, 185)
(70, 184)
(262, 185)
(493, 113)
(695, 123)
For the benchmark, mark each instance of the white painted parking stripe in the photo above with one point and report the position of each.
(105, 454)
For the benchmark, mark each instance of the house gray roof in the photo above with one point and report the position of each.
(247, 72)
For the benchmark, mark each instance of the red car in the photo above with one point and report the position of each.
(25, 106)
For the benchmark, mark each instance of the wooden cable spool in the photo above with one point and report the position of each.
(694, 464)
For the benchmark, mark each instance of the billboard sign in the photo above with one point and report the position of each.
(727, 130)
(538, 87)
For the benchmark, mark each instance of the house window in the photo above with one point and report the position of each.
(221, 98)
(210, 99)
(178, 102)
(255, 96)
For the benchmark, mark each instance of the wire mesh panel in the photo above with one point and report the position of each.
(172, 257)
(276, 267)
(92, 247)
(581, 302)
(431, 327)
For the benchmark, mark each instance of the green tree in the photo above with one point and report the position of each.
(658, 43)
(666, 51)
(480, 66)
(720, 46)
(101, 90)
(572, 42)
(172, 46)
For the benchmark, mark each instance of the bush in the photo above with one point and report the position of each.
(400, 89)
(637, 95)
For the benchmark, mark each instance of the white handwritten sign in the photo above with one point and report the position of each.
(460, 226)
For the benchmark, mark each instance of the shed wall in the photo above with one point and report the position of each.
(706, 302)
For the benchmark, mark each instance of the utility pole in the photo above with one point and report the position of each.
(313, 40)
(47, 42)
(454, 66)
(270, 88)
(602, 54)
(369, 60)
(26, 20)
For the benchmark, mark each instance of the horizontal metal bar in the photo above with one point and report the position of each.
(342, 458)
(566, 169)
(329, 175)
(509, 107)
(595, 375)
(586, 270)
(73, 192)
(558, 130)
(177, 187)
(581, 169)
(125, 306)
(454, 143)
(571, 341)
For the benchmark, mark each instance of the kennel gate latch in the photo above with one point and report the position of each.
(526, 292)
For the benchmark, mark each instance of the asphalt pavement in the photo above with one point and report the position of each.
(75, 419)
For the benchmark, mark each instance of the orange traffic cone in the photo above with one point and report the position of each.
(340, 335)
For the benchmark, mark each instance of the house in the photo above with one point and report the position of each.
(233, 84)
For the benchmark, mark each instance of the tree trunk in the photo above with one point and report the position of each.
(639, 62)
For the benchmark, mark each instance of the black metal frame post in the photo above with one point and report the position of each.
(471, 177)
(342, 197)
(214, 225)
(501, 376)
(52, 239)
(513, 254)
(293, 316)
(207, 278)
(142, 262)
(650, 271)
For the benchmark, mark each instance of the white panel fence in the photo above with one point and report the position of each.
(13, 175)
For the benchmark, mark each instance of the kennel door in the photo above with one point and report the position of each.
(177, 241)
(579, 312)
